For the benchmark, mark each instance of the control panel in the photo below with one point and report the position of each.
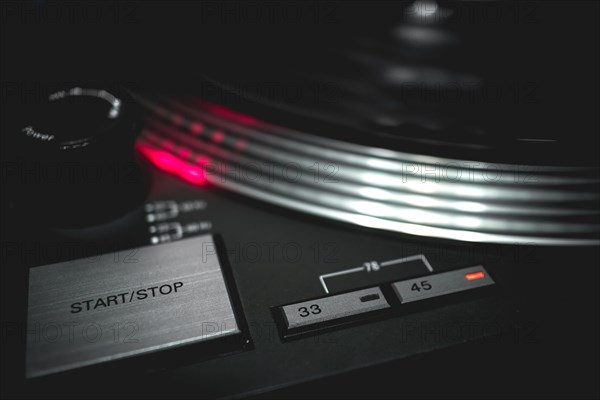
(379, 301)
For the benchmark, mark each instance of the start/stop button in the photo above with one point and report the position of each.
(88, 311)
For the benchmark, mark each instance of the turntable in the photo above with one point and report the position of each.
(300, 200)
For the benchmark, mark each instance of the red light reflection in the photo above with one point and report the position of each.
(170, 163)
(232, 115)
(218, 136)
(196, 128)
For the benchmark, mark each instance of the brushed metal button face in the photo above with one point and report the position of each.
(429, 286)
(88, 311)
(330, 308)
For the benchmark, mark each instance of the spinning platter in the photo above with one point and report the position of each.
(379, 188)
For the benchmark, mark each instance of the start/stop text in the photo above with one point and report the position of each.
(126, 297)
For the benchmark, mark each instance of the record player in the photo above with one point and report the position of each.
(309, 199)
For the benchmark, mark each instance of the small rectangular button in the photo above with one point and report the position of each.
(331, 308)
(430, 286)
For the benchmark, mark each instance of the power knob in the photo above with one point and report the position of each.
(76, 150)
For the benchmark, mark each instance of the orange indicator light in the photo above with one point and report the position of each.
(475, 275)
